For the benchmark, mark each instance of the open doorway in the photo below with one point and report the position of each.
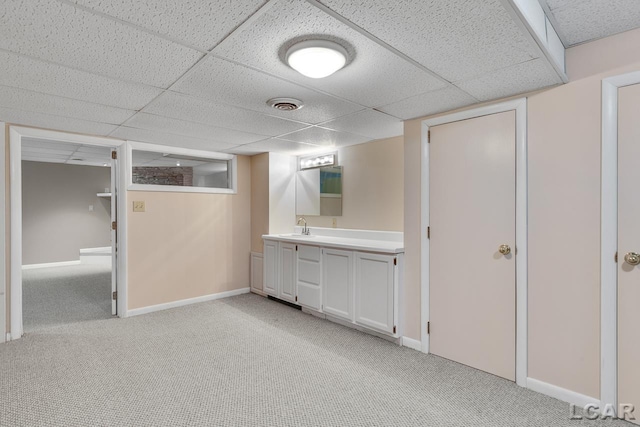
(67, 251)
(67, 247)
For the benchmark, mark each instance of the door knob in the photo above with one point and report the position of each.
(504, 249)
(632, 258)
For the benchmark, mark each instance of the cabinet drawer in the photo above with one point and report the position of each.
(309, 272)
(310, 253)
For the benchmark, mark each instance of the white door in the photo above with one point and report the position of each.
(114, 235)
(374, 291)
(287, 272)
(309, 277)
(628, 245)
(270, 276)
(337, 283)
(472, 309)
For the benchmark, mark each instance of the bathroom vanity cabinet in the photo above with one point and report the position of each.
(352, 281)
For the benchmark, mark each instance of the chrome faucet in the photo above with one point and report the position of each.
(305, 230)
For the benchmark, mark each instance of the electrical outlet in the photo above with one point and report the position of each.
(335, 222)
(138, 206)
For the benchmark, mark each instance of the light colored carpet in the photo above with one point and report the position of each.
(248, 361)
(55, 296)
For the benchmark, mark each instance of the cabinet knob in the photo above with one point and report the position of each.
(632, 258)
(504, 249)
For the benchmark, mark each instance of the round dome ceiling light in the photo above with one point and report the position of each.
(316, 58)
(285, 104)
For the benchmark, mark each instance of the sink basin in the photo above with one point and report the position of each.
(303, 236)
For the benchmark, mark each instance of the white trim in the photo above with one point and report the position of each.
(560, 393)
(411, 343)
(609, 236)
(16, 133)
(8, 337)
(189, 301)
(50, 264)
(143, 146)
(520, 107)
(3, 272)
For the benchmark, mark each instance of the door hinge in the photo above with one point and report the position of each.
(296, 248)
(114, 225)
(395, 261)
(114, 155)
(428, 328)
(394, 329)
(616, 257)
(296, 299)
(114, 295)
(428, 232)
(429, 137)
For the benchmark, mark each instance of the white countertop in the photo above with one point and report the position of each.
(370, 245)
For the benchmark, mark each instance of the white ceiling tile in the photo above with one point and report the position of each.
(429, 103)
(200, 23)
(94, 149)
(27, 73)
(163, 138)
(325, 137)
(178, 106)
(21, 99)
(370, 123)
(85, 163)
(227, 83)
(44, 151)
(57, 156)
(196, 130)
(47, 121)
(456, 39)
(48, 144)
(578, 21)
(263, 45)
(277, 146)
(520, 78)
(61, 33)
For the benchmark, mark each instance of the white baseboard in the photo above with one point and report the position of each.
(411, 343)
(50, 264)
(561, 393)
(183, 302)
(257, 292)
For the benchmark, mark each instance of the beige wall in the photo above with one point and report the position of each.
(7, 232)
(56, 220)
(259, 200)
(372, 187)
(564, 126)
(188, 245)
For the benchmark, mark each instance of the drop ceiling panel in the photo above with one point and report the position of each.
(192, 129)
(163, 138)
(32, 143)
(325, 137)
(20, 99)
(371, 79)
(455, 39)
(28, 158)
(48, 121)
(183, 107)
(520, 78)
(578, 21)
(202, 24)
(28, 73)
(35, 151)
(277, 146)
(61, 33)
(223, 82)
(370, 123)
(429, 103)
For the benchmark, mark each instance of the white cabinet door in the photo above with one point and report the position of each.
(287, 257)
(374, 291)
(337, 283)
(309, 277)
(270, 273)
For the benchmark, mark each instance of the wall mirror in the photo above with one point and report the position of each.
(319, 191)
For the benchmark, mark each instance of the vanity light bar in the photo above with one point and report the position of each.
(316, 162)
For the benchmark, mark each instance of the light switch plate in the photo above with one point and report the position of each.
(138, 206)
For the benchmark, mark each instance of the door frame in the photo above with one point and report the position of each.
(16, 133)
(4, 334)
(609, 237)
(520, 107)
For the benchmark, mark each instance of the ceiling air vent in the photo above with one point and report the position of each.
(285, 104)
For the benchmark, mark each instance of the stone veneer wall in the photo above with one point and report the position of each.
(180, 176)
